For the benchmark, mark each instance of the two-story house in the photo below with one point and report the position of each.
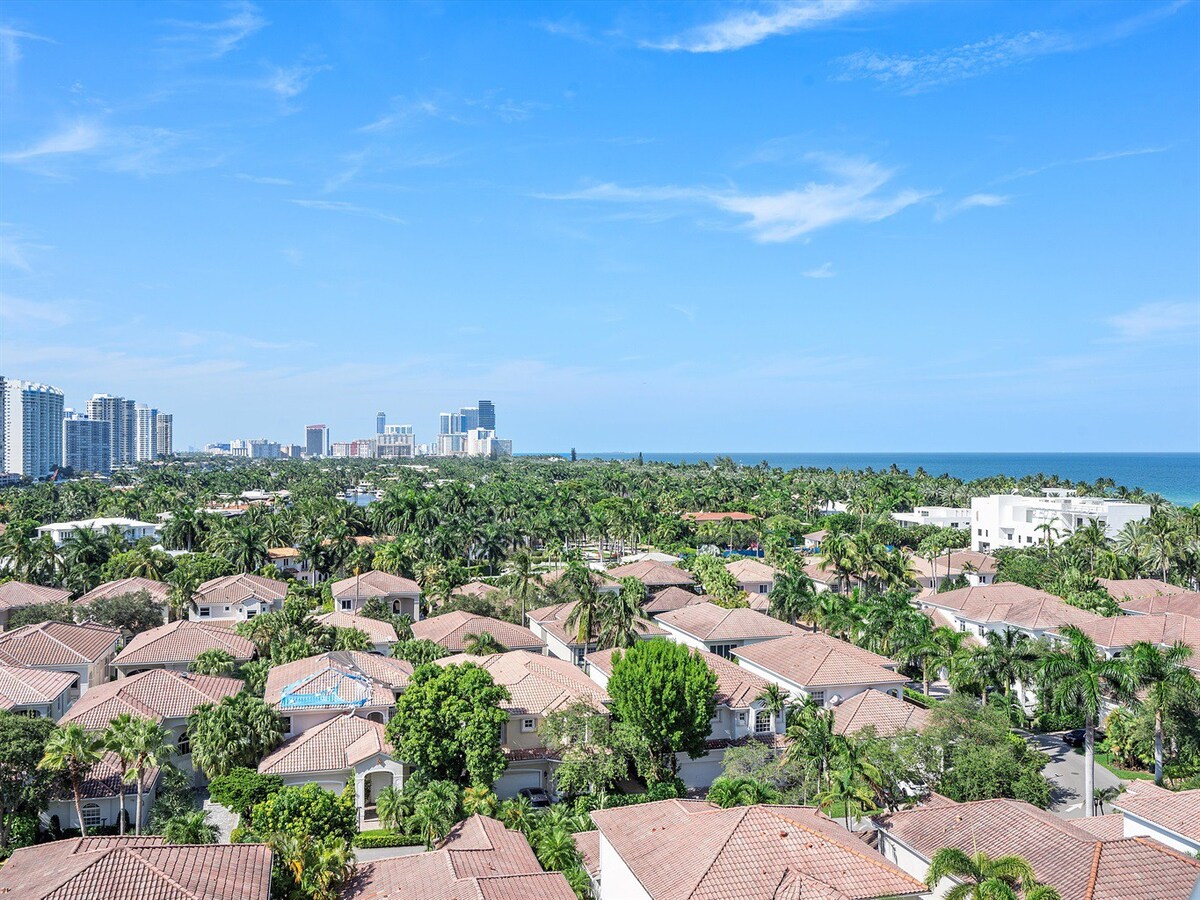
(85, 651)
(177, 644)
(317, 688)
(552, 624)
(402, 595)
(18, 594)
(719, 630)
(752, 576)
(36, 692)
(454, 631)
(237, 598)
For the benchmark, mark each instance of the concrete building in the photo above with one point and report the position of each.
(256, 448)
(1011, 520)
(146, 433)
(380, 422)
(937, 516)
(396, 442)
(316, 440)
(487, 415)
(87, 444)
(33, 428)
(164, 425)
(131, 529)
(118, 412)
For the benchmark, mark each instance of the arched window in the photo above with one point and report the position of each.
(91, 815)
(375, 717)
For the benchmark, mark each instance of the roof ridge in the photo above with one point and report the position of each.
(1090, 890)
(773, 810)
(161, 874)
(744, 810)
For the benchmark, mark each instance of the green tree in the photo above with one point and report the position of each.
(418, 651)
(133, 613)
(720, 586)
(238, 731)
(241, 789)
(24, 787)
(213, 662)
(435, 811)
(447, 724)
(119, 739)
(980, 877)
(480, 800)
(393, 807)
(72, 751)
(619, 617)
(1164, 674)
(305, 811)
(667, 694)
(147, 748)
(483, 644)
(190, 828)
(727, 792)
(555, 848)
(593, 756)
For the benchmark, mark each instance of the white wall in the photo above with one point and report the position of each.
(1138, 827)
(616, 881)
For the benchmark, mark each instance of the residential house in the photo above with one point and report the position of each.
(317, 688)
(718, 630)
(602, 582)
(974, 568)
(476, 589)
(812, 540)
(1185, 604)
(130, 529)
(161, 695)
(1004, 606)
(36, 692)
(293, 564)
(886, 714)
(1171, 817)
(145, 867)
(671, 598)
(237, 598)
(740, 714)
(821, 668)
(104, 793)
(159, 592)
(403, 595)
(176, 645)
(688, 849)
(654, 575)
(18, 594)
(479, 859)
(344, 749)
(552, 624)
(752, 576)
(381, 634)
(1063, 855)
(823, 579)
(86, 651)
(936, 516)
(453, 631)
(1121, 589)
(1010, 520)
(538, 686)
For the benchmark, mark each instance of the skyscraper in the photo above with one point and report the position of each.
(380, 422)
(468, 418)
(487, 415)
(87, 443)
(145, 433)
(316, 440)
(446, 423)
(110, 409)
(164, 425)
(33, 428)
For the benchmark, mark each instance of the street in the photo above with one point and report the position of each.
(1065, 773)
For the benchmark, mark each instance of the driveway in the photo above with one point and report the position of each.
(1065, 773)
(367, 854)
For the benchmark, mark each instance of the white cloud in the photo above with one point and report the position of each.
(10, 49)
(1105, 156)
(263, 179)
(287, 82)
(79, 137)
(748, 27)
(354, 209)
(212, 40)
(825, 270)
(17, 311)
(1164, 318)
(852, 195)
(973, 201)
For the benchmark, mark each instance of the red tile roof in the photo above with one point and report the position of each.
(452, 629)
(538, 685)
(158, 590)
(554, 620)
(1106, 828)
(1186, 604)
(692, 850)
(709, 622)
(104, 779)
(145, 868)
(588, 845)
(1120, 632)
(751, 570)
(373, 584)
(340, 679)
(18, 593)
(234, 589)
(736, 687)
(883, 712)
(156, 694)
(333, 746)
(48, 644)
(476, 588)
(671, 598)
(1138, 588)
(378, 631)
(1177, 811)
(818, 660)
(1001, 592)
(1013, 604)
(181, 642)
(653, 574)
(20, 686)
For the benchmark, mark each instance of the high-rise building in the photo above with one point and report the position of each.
(110, 409)
(487, 415)
(396, 442)
(468, 418)
(33, 428)
(128, 415)
(3, 419)
(146, 433)
(256, 448)
(87, 443)
(380, 422)
(446, 423)
(316, 440)
(164, 425)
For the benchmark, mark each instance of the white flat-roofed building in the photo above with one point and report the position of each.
(937, 516)
(131, 529)
(1012, 520)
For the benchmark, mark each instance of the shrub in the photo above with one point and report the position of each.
(385, 837)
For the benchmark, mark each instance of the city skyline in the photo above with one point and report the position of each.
(827, 226)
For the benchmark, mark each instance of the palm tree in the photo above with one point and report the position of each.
(1105, 795)
(244, 546)
(619, 615)
(117, 740)
(483, 644)
(555, 849)
(72, 751)
(581, 586)
(148, 749)
(743, 791)
(393, 807)
(981, 877)
(1165, 675)
(811, 742)
(1049, 534)
(181, 596)
(190, 828)
(329, 865)
(521, 572)
(1008, 657)
(774, 700)
(481, 800)
(436, 811)
(518, 813)
(792, 597)
(1078, 678)
(214, 661)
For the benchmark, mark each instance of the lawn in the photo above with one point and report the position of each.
(1104, 758)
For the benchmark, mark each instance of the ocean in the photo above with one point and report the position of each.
(1176, 476)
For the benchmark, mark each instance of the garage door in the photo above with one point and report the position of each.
(699, 774)
(511, 782)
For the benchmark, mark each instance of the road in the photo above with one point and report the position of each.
(1065, 772)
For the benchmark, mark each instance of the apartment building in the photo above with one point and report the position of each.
(1012, 520)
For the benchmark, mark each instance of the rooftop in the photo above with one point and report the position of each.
(888, 715)
(18, 593)
(1119, 632)
(98, 524)
(709, 622)
(156, 589)
(373, 584)
(49, 644)
(476, 588)
(653, 574)
(333, 746)
(671, 598)
(182, 641)
(1138, 588)
(240, 588)
(340, 679)
(554, 620)
(156, 694)
(736, 687)
(451, 630)
(751, 570)
(20, 686)
(538, 685)
(1177, 811)
(1185, 604)
(817, 660)
(378, 631)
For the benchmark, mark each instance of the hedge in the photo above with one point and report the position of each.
(383, 837)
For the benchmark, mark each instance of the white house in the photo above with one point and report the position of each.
(317, 688)
(718, 630)
(36, 692)
(1011, 520)
(1004, 606)
(937, 516)
(550, 625)
(752, 576)
(1170, 817)
(85, 651)
(403, 595)
(131, 529)
(237, 598)
(176, 646)
(821, 668)
(104, 794)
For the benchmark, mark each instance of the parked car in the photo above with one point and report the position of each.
(1074, 737)
(538, 798)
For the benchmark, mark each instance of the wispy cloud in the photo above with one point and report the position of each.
(688, 312)
(352, 208)
(263, 179)
(77, 137)
(568, 28)
(212, 40)
(973, 201)
(1154, 321)
(289, 82)
(490, 105)
(853, 194)
(1106, 156)
(745, 28)
(17, 311)
(825, 270)
(10, 49)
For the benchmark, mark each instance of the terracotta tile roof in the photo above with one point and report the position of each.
(692, 850)
(718, 516)
(751, 570)
(123, 868)
(479, 860)
(234, 589)
(1008, 592)
(181, 642)
(1177, 811)
(20, 686)
(825, 576)
(1138, 588)
(18, 593)
(1063, 855)
(709, 622)
(885, 713)
(156, 694)
(340, 679)
(1105, 828)
(333, 746)
(1011, 604)
(158, 590)
(452, 629)
(600, 579)
(104, 780)
(378, 631)
(554, 620)
(283, 553)
(816, 660)
(671, 598)
(538, 684)
(736, 687)
(1186, 604)
(588, 845)
(1119, 632)
(373, 584)
(653, 574)
(476, 588)
(817, 535)
(49, 644)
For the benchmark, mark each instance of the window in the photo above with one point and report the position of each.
(741, 717)
(204, 612)
(818, 697)
(91, 815)
(347, 605)
(287, 724)
(764, 588)
(580, 652)
(528, 725)
(723, 650)
(503, 732)
(762, 721)
(184, 746)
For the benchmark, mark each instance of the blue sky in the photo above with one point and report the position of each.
(818, 226)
